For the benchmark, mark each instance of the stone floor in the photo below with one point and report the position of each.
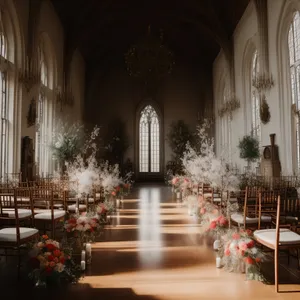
(153, 250)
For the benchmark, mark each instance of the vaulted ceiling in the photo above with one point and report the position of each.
(103, 30)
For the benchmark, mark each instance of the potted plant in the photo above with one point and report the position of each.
(178, 137)
(249, 149)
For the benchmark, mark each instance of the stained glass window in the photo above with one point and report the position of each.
(294, 55)
(255, 101)
(149, 142)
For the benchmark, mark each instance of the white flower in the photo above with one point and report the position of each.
(59, 267)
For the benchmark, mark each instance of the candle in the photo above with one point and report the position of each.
(83, 255)
(82, 265)
(88, 248)
(218, 262)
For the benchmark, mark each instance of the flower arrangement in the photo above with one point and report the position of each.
(218, 226)
(51, 263)
(242, 254)
(85, 226)
(104, 209)
(66, 142)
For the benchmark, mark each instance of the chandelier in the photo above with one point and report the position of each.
(149, 58)
(64, 96)
(31, 75)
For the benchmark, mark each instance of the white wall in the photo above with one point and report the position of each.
(50, 30)
(245, 39)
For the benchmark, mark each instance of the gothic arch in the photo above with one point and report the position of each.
(249, 51)
(139, 109)
(284, 84)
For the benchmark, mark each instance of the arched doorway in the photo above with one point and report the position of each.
(149, 144)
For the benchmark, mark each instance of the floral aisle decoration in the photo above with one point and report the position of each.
(109, 179)
(241, 254)
(84, 170)
(52, 264)
(104, 210)
(83, 228)
(202, 166)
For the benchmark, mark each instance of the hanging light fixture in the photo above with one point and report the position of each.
(64, 96)
(149, 58)
(31, 75)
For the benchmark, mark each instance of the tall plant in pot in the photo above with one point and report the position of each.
(178, 138)
(249, 149)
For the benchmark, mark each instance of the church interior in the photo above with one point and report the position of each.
(150, 149)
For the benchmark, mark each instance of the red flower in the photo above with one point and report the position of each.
(62, 260)
(251, 244)
(57, 253)
(113, 193)
(50, 247)
(222, 220)
(50, 257)
(248, 260)
(258, 259)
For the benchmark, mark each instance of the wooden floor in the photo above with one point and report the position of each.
(153, 250)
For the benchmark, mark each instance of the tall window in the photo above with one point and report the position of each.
(226, 123)
(255, 101)
(4, 110)
(149, 141)
(41, 132)
(294, 54)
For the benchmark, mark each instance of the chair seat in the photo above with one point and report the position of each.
(10, 234)
(217, 199)
(23, 199)
(22, 213)
(47, 215)
(207, 195)
(72, 207)
(286, 236)
(239, 218)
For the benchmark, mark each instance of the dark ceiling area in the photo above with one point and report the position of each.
(103, 30)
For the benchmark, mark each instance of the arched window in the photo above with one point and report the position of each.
(255, 99)
(3, 106)
(149, 141)
(294, 58)
(225, 122)
(41, 147)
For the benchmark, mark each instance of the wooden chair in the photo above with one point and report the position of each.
(12, 235)
(249, 216)
(48, 212)
(276, 238)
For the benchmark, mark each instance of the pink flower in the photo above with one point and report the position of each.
(222, 220)
(175, 180)
(236, 236)
(243, 246)
(213, 225)
(202, 211)
(227, 252)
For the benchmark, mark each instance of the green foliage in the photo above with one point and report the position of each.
(116, 142)
(67, 143)
(178, 137)
(249, 148)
